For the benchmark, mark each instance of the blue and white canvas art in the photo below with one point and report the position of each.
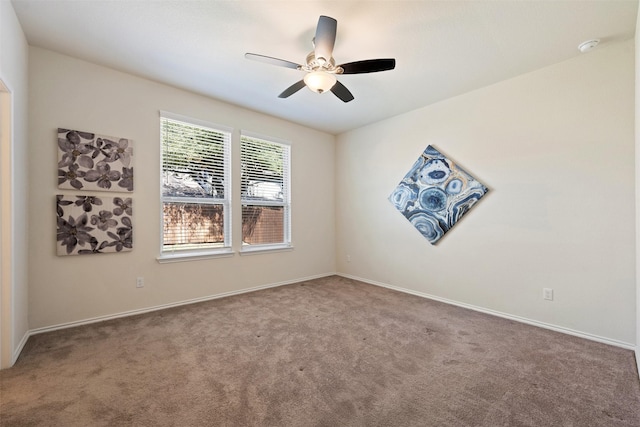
(435, 194)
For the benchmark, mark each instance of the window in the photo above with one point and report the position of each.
(196, 190)
(265, 193)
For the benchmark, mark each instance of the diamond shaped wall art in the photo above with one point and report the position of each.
(435, 194)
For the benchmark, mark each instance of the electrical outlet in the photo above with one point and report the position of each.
(348, 258)
(547, 293)
(140, 282)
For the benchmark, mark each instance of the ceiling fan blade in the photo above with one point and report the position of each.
(342, 92)
(368, 66)
(272, 61)
(292, 89)
(325, 37)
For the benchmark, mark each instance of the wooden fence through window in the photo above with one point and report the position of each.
(192, 223)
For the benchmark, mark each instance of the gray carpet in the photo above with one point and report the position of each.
(327, 352)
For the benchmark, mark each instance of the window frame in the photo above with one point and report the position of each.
(203, 252)
(287, 244)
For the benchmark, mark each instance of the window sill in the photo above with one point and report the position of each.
(193, 256)
(260, 249)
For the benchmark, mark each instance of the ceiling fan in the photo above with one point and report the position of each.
(320, 66)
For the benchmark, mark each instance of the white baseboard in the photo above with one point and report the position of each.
(19, 347)
(165, 306)
(503, 315)
(288, 282)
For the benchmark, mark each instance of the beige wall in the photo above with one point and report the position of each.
(637, 146)
(71, 93)
(14, 284)
(556, 149)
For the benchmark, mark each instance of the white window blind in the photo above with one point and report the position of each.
(265, 193)
(196, 191)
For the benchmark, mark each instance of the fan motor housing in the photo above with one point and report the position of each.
(317, 65)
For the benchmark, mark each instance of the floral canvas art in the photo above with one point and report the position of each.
(435, 194)
(87, 161)
(92, 225)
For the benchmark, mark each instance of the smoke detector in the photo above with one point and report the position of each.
(587, 46)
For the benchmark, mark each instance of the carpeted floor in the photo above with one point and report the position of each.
(327, 352)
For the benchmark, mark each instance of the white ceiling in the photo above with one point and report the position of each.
(442, 48)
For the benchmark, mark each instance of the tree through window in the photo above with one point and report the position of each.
(196, 210)
(265, 193)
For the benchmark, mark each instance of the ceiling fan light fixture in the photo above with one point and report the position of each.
(320, 81)
(321, 68)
